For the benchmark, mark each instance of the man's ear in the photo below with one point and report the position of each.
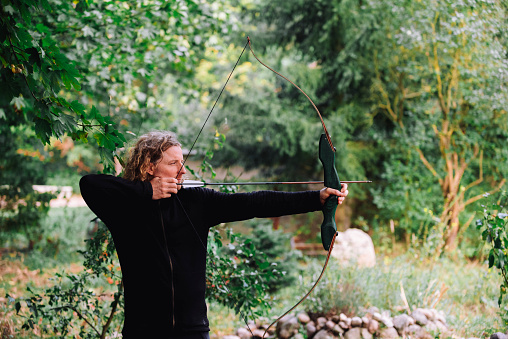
(151, 168)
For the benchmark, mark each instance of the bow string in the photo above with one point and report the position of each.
(331, 179)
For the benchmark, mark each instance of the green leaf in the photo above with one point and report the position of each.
(18, 307)
(492, 258)
(25, 13)
(77, 107)
(19, 102)
(43, 130)
(34, 57)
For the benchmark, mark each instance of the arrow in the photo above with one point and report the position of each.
(197, 183)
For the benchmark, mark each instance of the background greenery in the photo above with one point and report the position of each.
(413, 94)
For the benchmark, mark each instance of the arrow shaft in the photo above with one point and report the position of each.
(271, 183)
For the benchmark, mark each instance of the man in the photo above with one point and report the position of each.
(159, 229)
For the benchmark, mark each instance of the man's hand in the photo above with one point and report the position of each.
(163, 187)
(327, 192)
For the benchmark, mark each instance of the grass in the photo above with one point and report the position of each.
(466, 291)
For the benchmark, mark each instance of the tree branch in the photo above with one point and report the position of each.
(428, 165)
(79, 315)
(112, 313)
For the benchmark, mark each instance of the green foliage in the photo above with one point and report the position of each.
(34, 75)
(21, 208)
(276, 245)
(241, 277)
(464, 291)
(494, 229)
(71, 306)
(425, 84)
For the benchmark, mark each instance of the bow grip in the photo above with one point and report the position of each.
(331, 179)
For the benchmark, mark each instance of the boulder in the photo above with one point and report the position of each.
(337, 330)
(311, 329)
(366, 334)
(373, 326)
(321, 322)
(243, 333)
(401, 322)
(420, 317)
(323, 334)
(354, 247)
(388, 333)
(499, 335)
(303, 317)
(356, 322)
(354, 333)
(287, 327)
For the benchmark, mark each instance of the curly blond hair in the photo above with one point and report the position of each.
(148, 150)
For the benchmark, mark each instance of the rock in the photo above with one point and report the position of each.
(388, 333)
(231, 337)
(330, 324)
(354, 333)
(387, 322)
(372, 310)
(377, 316)
(343, 325)
(336, 318)
(287, 327)
(432, 328)
(365, 322)
(428, 313)
(342, 317)
(441, 317)
(323, 334)
(499, 335)
(337, 330)
(311, 329)
(356, 322)
(298, 336)
(416, 331)
(321, 322)
(354, 247)
(373, 326)
(442, 327)
(303, 318)
(366, 334)
(401, 322)
(258, 333)
(243, 333)
(419, 317)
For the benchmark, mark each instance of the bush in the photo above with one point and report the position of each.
(494, 228)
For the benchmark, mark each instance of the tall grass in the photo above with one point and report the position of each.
(65, 230)
(466, 292)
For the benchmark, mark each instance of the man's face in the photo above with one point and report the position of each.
(170, 165)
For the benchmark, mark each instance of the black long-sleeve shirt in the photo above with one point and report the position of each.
(162, 259)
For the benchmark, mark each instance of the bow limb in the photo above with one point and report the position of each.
(327, 157)
(331, 179)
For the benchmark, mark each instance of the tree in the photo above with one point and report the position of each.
(90, 71)
(430, 75)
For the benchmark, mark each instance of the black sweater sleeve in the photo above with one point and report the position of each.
(222, 207)
(110, 197)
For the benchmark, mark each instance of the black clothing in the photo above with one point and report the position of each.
(164, 284)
